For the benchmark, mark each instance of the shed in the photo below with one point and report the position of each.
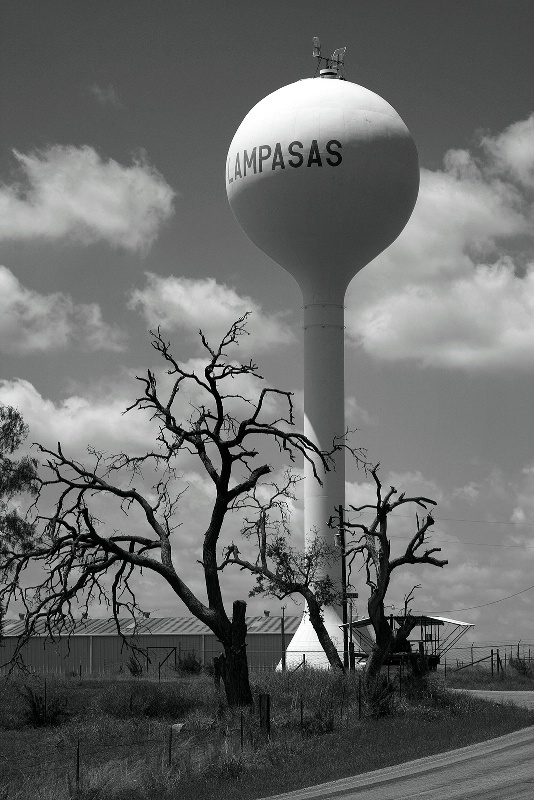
(432, 637)
(95, 647)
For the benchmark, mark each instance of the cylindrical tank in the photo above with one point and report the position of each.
(322, 175)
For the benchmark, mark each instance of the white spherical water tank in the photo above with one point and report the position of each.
(322, 175)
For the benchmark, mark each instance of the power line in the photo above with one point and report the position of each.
(492, 603)
(473, 544)
(479, 521)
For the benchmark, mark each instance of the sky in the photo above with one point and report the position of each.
(115, 121)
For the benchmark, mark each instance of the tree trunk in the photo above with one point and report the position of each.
(386, 643)
(232, 665)
(322, 634)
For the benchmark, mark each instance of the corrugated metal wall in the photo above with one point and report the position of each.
(105, 654)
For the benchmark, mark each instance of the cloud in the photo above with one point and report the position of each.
(78, 421)
(31, 322)
(358, 415)
(523, 512)
(192, 304)
(106, 95)
(513, 151)
(456, 290)
(72, 193)
(480, 322)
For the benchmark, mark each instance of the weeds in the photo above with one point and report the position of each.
(123, 727)
(522, 667)
(134, 666)
(189, 664)
(42, 708)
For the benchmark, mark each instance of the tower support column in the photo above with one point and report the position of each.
(324, 421)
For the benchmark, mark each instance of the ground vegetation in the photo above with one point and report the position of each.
(117, 730)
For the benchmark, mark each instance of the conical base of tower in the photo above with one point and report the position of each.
(305, 646)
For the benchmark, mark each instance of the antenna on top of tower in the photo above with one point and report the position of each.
(333, 66)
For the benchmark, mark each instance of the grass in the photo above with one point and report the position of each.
(519, 676)
(123, 728)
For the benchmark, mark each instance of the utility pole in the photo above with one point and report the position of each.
(341, 535)
(283, 635)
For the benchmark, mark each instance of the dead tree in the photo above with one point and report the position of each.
(79, 553)
(374, 545)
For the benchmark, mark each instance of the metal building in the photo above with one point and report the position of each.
(95, 648)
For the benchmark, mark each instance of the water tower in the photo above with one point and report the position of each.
(322, 175)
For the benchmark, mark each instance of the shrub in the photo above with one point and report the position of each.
(144, 699)
(190, 664)
(522, 667)
(320, 723)
(134, 666)
(232, 767)
(42, 708)
(382, 699)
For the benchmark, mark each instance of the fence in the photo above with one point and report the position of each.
(174, 746)
(480, 654)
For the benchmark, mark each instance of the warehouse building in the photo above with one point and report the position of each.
(95, 648)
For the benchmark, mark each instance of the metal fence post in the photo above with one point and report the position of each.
(77, 765)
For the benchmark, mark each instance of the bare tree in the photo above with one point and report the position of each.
(79, 553)
(374, 546)
(282, 570)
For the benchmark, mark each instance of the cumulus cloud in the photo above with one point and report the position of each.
(71, 192)
(482, 321)
(456, 290)
(190, 304)
(31, 322)
(78, 420)
(513, 151)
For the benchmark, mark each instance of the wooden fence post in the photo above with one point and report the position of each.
(265, 713)
(492, 663)
(170, 747)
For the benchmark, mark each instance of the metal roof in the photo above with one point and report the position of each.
(421, 618)
(162, 626)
